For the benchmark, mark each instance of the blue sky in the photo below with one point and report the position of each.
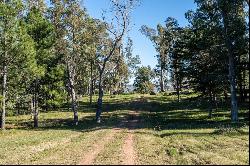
(150, 13)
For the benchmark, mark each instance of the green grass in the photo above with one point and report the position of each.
(112, 153)
(169, 133)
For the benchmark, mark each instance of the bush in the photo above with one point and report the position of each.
(145, 88)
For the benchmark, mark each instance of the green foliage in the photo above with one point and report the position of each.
(17, 51)
(52, 52)
(143, 80)
(50, 88)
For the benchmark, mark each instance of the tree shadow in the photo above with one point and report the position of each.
(155, 114)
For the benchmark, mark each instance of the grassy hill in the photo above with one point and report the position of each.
(156, 129)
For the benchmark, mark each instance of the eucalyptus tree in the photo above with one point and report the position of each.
(115, 72)
(131, 61)
(120, 69)
(158, 38)
(220, 39)
(234, 29)
(122, 10)
(91, 40)
(163, 39)
(74, 21)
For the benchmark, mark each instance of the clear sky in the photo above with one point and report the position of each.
(150, 13)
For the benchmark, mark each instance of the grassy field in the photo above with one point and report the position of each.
(167, 132)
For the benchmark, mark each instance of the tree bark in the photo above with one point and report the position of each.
(178, 90)
(244, 85)
(225, 96)
(4, 84)
(240, 79)
(234, 103)
(4, 88)
(232, 78)
(73, 101)
(210, 105)
(35, 104)
(162, 86)
(68, 99)
(99, 102)
(91, 84)
(35, 112)
(31, 107)
(240, 84)
(71, 75)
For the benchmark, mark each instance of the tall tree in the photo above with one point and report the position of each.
(207, 59)
(131, 61)
(158, 38)
(75, 26)
(16, 48)
(41, 30)
(122, 10)
(231, 13)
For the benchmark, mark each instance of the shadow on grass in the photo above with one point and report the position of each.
(157, 113)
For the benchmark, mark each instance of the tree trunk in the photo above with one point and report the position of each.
(178, 90)
(215, 102)
(225, 96)
(234, 103)
(46, 103)
(210, 105)
(232, 79)
(4, 83)
(4, 88)
(99, 102)
(240, 81)
(35, 104)
(72, 91)
(244, 85)
(35, 111)
(68, 100)
(73, 99)
(241, 91)
(162, 79)
(91, 84)
(31, 108)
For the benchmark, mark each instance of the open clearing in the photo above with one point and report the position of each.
(136, 130)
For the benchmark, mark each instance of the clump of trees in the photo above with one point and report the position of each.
(143, 80)
(210, 55)
(52, 55)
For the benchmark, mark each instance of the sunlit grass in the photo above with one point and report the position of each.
(168, 133)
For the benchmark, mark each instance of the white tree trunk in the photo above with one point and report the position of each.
(4, 88)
